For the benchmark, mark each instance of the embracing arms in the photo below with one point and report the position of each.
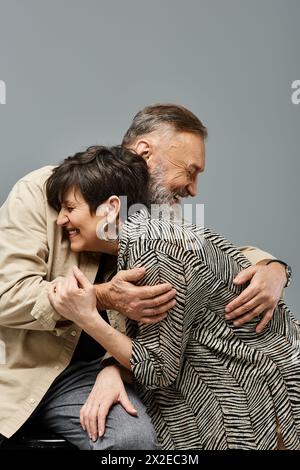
(32, 256)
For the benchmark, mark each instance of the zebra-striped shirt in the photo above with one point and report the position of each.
(206, 383)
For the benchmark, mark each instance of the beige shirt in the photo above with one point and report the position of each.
(36, 343)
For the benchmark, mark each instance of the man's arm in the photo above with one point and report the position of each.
(23, 261)
(255, 255)
(265, 289)
(146, 304)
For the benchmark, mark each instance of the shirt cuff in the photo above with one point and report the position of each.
(43, 311)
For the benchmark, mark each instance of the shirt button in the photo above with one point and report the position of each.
(56, 367)
(32, 401)
(73, 333)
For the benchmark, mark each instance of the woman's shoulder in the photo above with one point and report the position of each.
(142, 233)
(143, 228)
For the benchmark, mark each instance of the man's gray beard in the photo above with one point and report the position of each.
(161, 199)
(158, 193)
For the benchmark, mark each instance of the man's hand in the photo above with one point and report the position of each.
(108, 390)
(146, 304)
(260, 297)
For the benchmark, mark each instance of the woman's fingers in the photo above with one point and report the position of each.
(81, 278)
(93, 421)
(88, 418)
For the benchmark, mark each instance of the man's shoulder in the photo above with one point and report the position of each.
(39, 176)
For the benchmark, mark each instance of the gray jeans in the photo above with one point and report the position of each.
(60, 408)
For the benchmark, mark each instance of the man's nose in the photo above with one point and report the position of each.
(192, 189)
(62, 219)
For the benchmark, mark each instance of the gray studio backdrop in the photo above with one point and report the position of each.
(76, 71)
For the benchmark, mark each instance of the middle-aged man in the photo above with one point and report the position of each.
(52, 369)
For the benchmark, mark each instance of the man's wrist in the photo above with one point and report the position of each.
(103, 297)
(285, 267)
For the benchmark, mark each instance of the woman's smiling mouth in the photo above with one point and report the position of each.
(72, 232)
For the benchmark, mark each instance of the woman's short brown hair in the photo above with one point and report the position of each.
(99, 173)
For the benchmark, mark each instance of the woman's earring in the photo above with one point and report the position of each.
(107, 232)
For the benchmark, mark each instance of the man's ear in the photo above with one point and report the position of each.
(143, 148)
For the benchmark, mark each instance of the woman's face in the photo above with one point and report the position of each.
(80, 225)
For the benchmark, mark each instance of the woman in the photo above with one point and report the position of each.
(207, 384)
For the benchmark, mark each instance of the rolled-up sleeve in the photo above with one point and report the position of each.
(255, 255)
(24, 255)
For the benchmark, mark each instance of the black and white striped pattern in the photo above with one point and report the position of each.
(206, 383)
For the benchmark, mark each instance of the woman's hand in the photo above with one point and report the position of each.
(108, 390)
(74, 298)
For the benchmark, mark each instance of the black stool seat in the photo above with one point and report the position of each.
(33, 438)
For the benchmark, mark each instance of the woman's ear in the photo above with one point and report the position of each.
(114, 206)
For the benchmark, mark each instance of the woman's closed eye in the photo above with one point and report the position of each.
(68, 208)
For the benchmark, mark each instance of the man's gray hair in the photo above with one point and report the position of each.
(156, 116)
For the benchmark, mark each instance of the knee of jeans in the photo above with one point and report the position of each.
(139, 440)
(133, 438)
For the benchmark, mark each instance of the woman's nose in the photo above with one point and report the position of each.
(62, 219)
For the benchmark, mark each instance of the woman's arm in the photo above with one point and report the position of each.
(79, 304)
(155, 356)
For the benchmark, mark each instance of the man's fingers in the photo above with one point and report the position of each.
(149, 292)
(159, 300)
(245, 275)
(162, 309)
(249, 316)
(244, 297)
(264, 321)
(81, 278)
(154, 319)
(132, 275)
(247, 307)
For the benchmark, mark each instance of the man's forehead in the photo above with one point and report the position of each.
(189, 140)
(189, 146)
